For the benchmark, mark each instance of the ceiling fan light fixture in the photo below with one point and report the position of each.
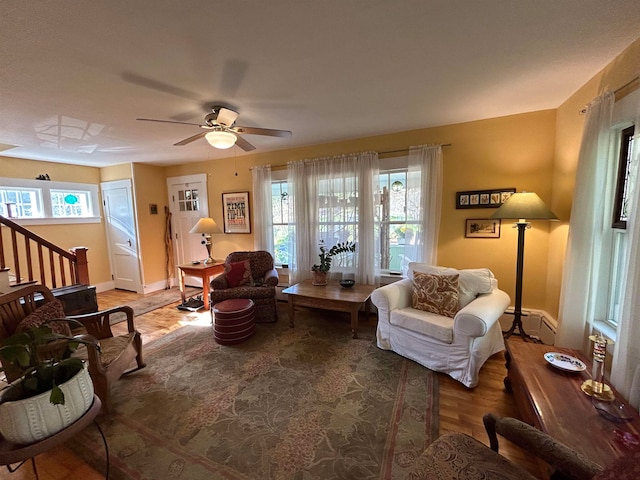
(221, 139)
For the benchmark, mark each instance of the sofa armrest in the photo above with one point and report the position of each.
(478, 316)
(533, 441)
(219, 282)
(271, 278)
(392, 296)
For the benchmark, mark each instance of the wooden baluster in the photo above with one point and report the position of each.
(27, 251)
(16, 258)
(43, 279)
(2, 261)
(63, 277)
(52, 266)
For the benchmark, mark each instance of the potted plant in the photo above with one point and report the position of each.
(320, 270)
(55, 388)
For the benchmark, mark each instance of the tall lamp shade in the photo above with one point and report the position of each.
(206, 226)
(522, 206)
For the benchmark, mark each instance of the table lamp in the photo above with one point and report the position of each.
(206, 226)
(523, 206)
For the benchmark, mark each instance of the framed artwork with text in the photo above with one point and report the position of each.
(235, 210)
(483, 198)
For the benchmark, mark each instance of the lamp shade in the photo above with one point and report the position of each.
(205, 225)
(221, 139)
(524, 205)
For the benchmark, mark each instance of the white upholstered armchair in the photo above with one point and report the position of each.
(460, 337)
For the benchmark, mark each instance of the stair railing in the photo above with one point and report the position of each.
(34, 259)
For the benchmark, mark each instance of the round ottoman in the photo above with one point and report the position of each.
(234, 321)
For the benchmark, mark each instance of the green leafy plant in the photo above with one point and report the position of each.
(327, 254)
(45, 359)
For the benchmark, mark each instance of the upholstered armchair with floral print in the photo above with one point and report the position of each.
(249, 275)
(459, 456)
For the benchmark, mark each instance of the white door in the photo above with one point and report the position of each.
(188, 202)
(121, 234)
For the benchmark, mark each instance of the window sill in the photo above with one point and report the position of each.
(608, 330)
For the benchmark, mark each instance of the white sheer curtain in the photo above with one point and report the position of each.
(587, 227)
(424, 179)
(626, 358)
(262, 208)
(332, 201)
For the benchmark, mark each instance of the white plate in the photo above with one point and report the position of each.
(565, 362)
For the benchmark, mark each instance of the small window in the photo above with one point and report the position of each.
(20, 202)
(621, 203)
(281, 230)
(65, 203)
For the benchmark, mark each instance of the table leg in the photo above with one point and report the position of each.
(354, 320)
(181, 282)
(205, 291)
(292, 309)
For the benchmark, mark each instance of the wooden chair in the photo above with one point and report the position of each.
(106, 363)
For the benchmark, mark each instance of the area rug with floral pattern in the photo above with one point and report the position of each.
(307, 402)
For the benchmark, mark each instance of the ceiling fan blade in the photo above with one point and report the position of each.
(243, 144)
(262, 131)
(193, 138)
(171, 121)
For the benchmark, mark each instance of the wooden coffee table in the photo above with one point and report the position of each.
(330, 297)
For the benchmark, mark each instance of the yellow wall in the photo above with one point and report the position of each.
(150, 187)
(90, 235)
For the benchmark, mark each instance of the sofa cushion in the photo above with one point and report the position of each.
(471, 283)
(435, 293)
(49, 311)
(238, 273)
(424, 323)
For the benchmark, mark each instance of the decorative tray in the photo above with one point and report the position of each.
(565, 362)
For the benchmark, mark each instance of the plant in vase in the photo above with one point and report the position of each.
(326, 255)
(48, 372)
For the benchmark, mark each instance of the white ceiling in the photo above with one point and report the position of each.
(75, 74)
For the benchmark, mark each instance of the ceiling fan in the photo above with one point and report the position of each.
(221, 131)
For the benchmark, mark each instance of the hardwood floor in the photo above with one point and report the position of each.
(461, 409)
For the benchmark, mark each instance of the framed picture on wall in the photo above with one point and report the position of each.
(235, 211)
(483, 198)
(482, 228)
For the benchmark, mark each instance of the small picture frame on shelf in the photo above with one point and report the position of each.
(482, 228)
(483, 198)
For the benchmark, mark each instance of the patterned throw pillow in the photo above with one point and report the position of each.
(435, 293)
(238, 273)
(48, 311)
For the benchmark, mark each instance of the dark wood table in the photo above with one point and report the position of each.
(11, 453)
(551, 400)
(331, 296)
(203, 271)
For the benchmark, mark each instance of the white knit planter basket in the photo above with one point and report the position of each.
(36, 418)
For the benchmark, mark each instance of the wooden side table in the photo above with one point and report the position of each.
(201, 270)
(11, 453)
(551, 400)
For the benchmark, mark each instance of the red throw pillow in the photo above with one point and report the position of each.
(48, 311)
(238, 273)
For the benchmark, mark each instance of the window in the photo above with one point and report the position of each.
(65, 203)
(398, 215)
(619, 224)
(396, 210)
(20, 202)
(42, 202)
(281, 231)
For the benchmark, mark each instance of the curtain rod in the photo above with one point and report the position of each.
(406, 150)
(620, 92)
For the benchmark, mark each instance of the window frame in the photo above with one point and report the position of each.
(44, 187)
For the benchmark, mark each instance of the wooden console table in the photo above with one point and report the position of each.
(551, 400)
(201, 270)
(331, 296)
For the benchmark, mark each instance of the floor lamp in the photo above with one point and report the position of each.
(523, 206)
(207, 227)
